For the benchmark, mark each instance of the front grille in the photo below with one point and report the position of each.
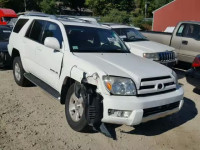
(166, 56)
(155, 78)
(159, 109)
(156, 85)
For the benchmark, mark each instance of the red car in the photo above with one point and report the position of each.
(6, 15)
(193, 74)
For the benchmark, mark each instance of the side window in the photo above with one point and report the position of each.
(20, 23)
(36, 30)
(192, 31)
(29, 30)
(180, 30)
(52, 30)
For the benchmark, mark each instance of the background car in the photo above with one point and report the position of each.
(4, 37)
(141, 46)
(193, 74)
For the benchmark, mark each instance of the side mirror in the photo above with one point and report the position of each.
(52, 42)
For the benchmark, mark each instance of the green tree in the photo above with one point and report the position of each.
(103, 7)
(77, 5)
(33, 5)
(3, 2)
(17, 5)
(117, 16)
(48, 6)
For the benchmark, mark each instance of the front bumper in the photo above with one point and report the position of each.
(5, 59)
(137, 105)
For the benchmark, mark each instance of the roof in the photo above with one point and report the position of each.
(66, 21)
(191, 22)
(164, 6)
(114, 25)
(7, 12)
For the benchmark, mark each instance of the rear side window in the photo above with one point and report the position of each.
(36, 30)
(20, 23)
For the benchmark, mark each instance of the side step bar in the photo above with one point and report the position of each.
(43, 85)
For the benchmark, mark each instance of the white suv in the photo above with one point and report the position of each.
(90, 70)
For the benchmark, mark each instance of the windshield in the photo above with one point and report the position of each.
(130, 34)
(5, 34)
(88, 39)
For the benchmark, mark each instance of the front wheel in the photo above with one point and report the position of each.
(18, 72)
(75, 111)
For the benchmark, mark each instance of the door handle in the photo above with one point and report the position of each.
(184, 42)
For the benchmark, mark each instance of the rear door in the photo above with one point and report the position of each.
(50, 60)
(31, 41)
(190, 43)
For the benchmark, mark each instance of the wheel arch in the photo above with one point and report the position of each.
(65, 87)
(15, 53)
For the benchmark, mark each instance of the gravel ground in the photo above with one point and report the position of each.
(31, 119)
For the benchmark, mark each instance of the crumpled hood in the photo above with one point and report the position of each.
(124, 65)
(149, 46)
(3, 46)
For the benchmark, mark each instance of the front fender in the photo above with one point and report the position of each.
(82, 76)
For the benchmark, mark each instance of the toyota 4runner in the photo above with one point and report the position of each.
(88, 68)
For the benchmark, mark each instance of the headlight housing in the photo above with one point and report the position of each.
(153, 56)
(175, 77)
(119, 85)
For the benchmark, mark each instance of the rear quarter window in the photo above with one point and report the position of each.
(20, 23)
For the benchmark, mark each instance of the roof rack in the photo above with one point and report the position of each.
(62, 17)
(72, 18)
(81, 19)
(40, 14)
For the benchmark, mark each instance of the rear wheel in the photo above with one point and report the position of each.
(75, 111)
(18, 72)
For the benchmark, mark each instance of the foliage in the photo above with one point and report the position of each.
(119, 11)
(17, 5)
(48, 6)
(138, 21)
(117, 17)
(33, 5)
(103, 7)
(75, 4)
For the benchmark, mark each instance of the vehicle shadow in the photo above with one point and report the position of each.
(196, 90)
(157, 127)
(194, 82)
(5, 68)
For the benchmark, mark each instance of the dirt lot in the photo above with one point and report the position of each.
(30, 119)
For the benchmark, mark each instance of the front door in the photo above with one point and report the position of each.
(50, 60)
(190, 44)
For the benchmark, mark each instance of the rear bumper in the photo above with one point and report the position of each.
(137, 105)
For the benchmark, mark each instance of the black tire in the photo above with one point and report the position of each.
(82, 124)
(22, 81)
